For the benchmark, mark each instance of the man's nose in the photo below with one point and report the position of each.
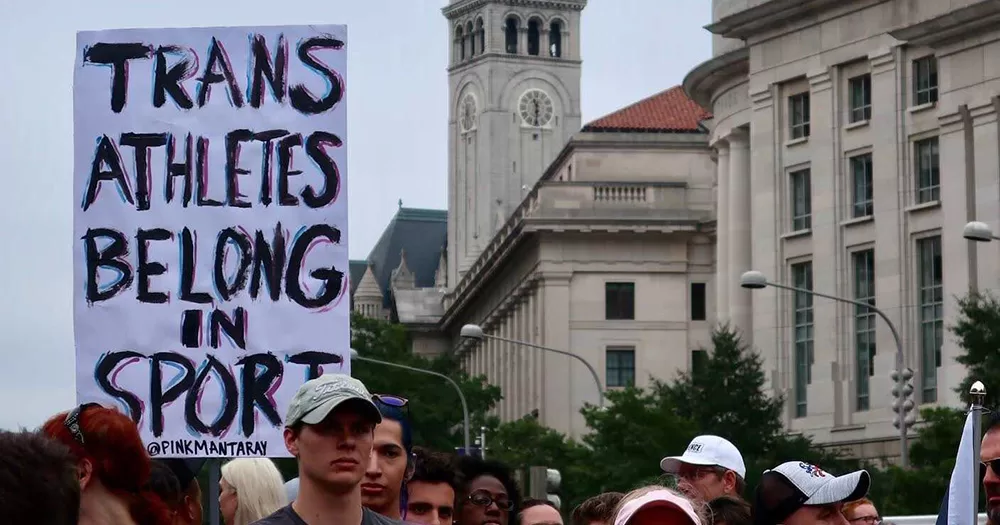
(373, 469)
(436, 518)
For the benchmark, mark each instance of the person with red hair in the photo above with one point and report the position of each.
(113, 466)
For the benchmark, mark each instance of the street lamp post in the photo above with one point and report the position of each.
(461, 396)
(475, 332)
(756, 280)
(978, 231)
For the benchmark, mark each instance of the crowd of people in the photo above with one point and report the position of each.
(357, 464)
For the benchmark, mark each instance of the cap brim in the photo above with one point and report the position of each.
(318, 414)
(849, 487)
(655, 499)
(672, 465)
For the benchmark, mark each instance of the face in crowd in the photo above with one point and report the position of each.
(490, 495)
(989, 454)
(387, 468)
(709, 482)
(710, 467)
(334, 451)
(537, 512)
(431, 490)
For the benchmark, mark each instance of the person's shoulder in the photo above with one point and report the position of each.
(282, 516)
(370, 517)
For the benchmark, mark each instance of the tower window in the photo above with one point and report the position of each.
(510, 35)
(460, 42)
(472, 39)
(533, 32)
(481, 31)
(555, 39)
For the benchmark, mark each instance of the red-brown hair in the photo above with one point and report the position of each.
(119, 459)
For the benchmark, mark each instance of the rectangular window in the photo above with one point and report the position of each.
(798, 115)
(801, 200)
(926, 161)
(862, 195)
(619, 366)
(864, 325)
(931, 298)
(698, 310)
(925, 80)
(699, 359)
(860, 89)
(619, 301)
(803, 333)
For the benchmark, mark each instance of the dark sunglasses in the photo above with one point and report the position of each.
(72, 421)
(993, 464)
(485, 499)
(391, 400)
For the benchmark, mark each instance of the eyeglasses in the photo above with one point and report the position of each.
(872, 520)
(485, 499)
(72, 421)
(391, 400)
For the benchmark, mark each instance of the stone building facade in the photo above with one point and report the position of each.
(854, 139)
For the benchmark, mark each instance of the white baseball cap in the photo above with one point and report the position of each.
(794, 484)
(708, 451)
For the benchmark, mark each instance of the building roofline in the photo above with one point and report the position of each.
(955, 25)
(701, 83)
(766, 16)
(462, 7)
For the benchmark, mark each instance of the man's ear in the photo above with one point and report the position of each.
(291, 441)
(729, 480)
(189, 505)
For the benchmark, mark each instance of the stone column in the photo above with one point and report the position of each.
(722, 277)
(739, 231)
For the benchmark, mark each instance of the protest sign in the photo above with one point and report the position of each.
(210, 229)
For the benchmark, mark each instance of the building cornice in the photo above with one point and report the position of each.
(767, 16)
(704, 80)
(958, 24)
(463, 7)
(511, 58)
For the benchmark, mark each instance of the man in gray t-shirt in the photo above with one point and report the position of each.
(329, 428)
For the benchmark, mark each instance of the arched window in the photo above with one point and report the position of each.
(555, 39)
(533, 37)
(481, 31)
(472, 39)
(460, 42)
(510, 34)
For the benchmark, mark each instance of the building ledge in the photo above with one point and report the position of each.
(462, 7)
(958, 24)
(768, 15)
(702, 82)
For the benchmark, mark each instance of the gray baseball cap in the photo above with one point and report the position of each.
(318, 397)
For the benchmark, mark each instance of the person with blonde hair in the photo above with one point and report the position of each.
(656, 505)
(250, 489)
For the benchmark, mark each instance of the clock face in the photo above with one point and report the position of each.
(468, 113)
(536, 108)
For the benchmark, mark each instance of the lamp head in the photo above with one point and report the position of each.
(472, 331)
(354, 353)
(753, 280)
(977, 231)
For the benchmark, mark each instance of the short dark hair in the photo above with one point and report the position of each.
(165, 484)
(401, 416)
(39, 480)
(473, 467)
(534, 502)
(434, 467)
(598, 508)
(730, 510)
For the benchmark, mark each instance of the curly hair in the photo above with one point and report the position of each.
(472, 468)
(434, 467)
(113, 447)
(38, 480)
(599, 508)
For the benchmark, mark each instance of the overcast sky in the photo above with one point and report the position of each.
(397, 55)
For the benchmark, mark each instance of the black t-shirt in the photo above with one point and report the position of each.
(287, 516)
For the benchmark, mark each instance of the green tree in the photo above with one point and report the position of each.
(434, 406)
(977, 330)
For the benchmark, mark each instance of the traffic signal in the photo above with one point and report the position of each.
(902, 403)
(545, 483)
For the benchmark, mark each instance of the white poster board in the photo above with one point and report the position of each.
(210, 229)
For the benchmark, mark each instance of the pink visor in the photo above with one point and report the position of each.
(657, 498)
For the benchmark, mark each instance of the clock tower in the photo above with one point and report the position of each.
(514, 79)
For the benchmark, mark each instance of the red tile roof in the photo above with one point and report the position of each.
(666, 111)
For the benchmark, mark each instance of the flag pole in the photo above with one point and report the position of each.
(977, 396)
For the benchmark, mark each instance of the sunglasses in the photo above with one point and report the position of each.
(391, 400)
(72, 421)
(485, 499)
(993, 464)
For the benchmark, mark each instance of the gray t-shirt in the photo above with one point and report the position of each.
(287, 516)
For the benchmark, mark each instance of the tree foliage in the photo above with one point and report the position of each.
(977, 330)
